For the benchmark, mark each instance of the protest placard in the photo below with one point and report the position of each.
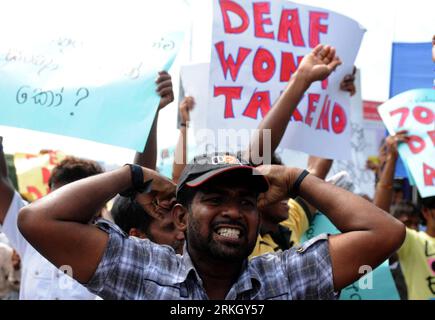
(377, 285)
(89, 80)
(365, 141)
(414, 111)
(256, 47)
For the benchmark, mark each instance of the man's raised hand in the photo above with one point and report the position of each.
(164, 89)
(319, 63)
(185, 107)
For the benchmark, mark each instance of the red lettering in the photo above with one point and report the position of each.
(423, 115)
(416, 144)
(325, 84)
(263, 67)
(54, 160)
(231, 6)
(45, 175)
(339, 120)
(313, 98)
(261, 9)
(323, 122)
(296, 116)
(432, 136)
(230, 93)
(404, 112)
(428, 174)
(33, 190)
(290, 22)
(259, 100)
(228, 63)
(288, 65)
(316, 28)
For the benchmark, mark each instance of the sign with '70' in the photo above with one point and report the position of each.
(414, 111)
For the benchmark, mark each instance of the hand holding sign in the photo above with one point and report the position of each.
(414, 111)
(164, 89)
(390, 147)
(185, 107)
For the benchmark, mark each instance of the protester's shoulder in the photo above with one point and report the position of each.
(318, 245)
(110, 227)
(414, 235)
(118, 237)
(306, 269)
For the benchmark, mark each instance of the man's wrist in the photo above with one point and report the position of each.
(293, 174)
(301, 77)
(138, 181)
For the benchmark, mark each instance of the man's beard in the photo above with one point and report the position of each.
(215, 249)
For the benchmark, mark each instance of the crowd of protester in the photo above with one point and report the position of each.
(226, 226)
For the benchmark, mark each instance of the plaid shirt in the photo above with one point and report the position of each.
(134, 269)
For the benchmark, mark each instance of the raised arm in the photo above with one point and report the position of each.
(389, 155)
(57, 225)
(148, 157)
(317, 65)
(369, 235)
(6, 188)
(180, 156)
(319, 166)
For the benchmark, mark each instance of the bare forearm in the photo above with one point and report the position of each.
(279, 116)
(180, 156)
(148, 157)
(80, 200)
(384, 188)
(347, 211)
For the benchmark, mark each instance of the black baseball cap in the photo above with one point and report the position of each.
(205, 167)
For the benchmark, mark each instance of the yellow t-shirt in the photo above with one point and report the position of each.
(417, 259)
(297, 223)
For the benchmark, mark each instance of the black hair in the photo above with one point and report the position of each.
(128, 214)
(72, 169)
(405, 207)
(428, 202)
(185, 197)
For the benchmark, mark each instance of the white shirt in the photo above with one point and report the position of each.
(9, 277)
(40, 279)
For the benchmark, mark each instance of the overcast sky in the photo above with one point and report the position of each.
(385, 21)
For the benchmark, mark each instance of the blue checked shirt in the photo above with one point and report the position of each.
(135, 269)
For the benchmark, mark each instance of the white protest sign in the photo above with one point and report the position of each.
(414, 111)
(256, 47)
(364, 143)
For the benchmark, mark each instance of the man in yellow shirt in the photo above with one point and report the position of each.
(417, 256)
(282, 235)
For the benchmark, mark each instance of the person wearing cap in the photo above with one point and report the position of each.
(218, 199)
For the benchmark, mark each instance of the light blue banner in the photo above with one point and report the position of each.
(414, 111)
(104, 92)
(382, 283)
